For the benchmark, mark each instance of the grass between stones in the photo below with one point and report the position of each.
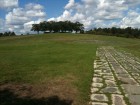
(119, 86)
(54, 64)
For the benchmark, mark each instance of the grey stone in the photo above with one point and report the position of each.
(131, 89)
(99, 97)
(99, 103)
(134, 99)
(136, 77)
(127, 81)
(107, 74)
(93, 90)
(97, 71)
(111, 90)
(97, 85)
(135, 74)
(97, 66)
(120, 70)
(97, 79)
(123, 75)
(109, 78)
(110, 83)
(138, 81)
(118, 100)
(106, 71)
(97, 74)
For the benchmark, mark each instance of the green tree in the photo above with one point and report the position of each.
(35, 27)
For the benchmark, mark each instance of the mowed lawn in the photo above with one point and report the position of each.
(53, 65)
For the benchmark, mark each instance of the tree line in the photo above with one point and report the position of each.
(7, 34)
(128, 32)
(61, 26)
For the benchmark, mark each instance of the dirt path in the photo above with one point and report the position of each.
(116, 79)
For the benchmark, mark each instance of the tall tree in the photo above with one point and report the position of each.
(43, 26)
(35, 27)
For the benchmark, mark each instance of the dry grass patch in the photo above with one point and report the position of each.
(58, 88)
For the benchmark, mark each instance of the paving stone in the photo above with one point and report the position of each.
(134, 99)
(97, 74)
(138, 81)
(131, 89)
(111, 90)
(107, 74)
(97, 66)
(106, 71)
(123, 75)
(93, 90)
(109, 78)
(97, 79)
(97, 71)
(110, 83)
(136, 77)
(98, 103)
(97, 85)
(135, 74)
(127, 81)
(99, 97)
(118, 100)
(119, 70)
(122, 64)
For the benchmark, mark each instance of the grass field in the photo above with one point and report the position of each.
(60, 65)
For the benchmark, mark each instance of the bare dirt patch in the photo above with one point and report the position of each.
(56, 92)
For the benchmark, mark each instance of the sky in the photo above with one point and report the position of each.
(19, 15)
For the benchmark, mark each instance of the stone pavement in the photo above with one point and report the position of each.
(116, 78)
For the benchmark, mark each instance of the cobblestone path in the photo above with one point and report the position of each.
(116, 78)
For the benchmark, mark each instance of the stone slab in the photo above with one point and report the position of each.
(98, 103)
(97, 80)
(123, 75)
(131, 89)
(97, 85)
(106, 71)
(99, 97)
(107, 74)
(93, 90)
(134, 99)
(97, 71)
(111, 90)
(128, 81)
(109, 78)
(117, 100)
(110, 83)
(97, 74)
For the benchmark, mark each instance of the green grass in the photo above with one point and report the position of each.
(41, 58)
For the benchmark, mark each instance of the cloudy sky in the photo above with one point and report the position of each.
(19, 15)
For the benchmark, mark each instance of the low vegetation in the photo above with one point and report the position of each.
(7, 34)
(120, 32)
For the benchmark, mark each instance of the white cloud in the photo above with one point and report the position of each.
(131, 2)
(8, 3)
(1, 25)
(131, 20)
(101, 13)
(28, 25)
(33, 13)
(16, 17)
(92, 13)
(32, 6)
(19, 18)
(70, 4)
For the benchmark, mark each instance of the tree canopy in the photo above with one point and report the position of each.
(61, 26)
(7, 34)
(128, 32)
